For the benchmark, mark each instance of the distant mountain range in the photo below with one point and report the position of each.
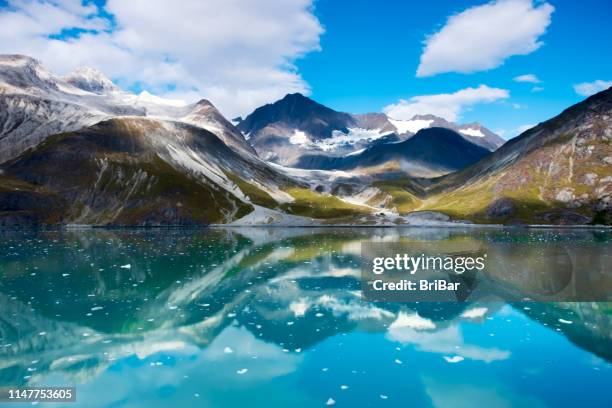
(286, 130)
(79, 150)
(431, 152)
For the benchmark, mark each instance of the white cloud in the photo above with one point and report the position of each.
(483, 37)
(237, 53)
(448, 106)
(531, 78)
(590, 88)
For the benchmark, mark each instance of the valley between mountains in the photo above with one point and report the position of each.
(79, 150)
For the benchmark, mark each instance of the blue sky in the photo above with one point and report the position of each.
(370, 54)
(357, 56)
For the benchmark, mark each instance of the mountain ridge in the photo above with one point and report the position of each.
(94, 154)
(296, 125)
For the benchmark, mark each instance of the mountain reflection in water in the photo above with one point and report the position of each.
(260, 317)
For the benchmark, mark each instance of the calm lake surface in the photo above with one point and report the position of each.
(260, 317)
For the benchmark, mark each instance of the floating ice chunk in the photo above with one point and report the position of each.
(398, 361)
(242, 371)
(344, 387)
(475, 313)
(413, 321)
(330, 401)
(126, 266)
(228, 350)
(299, 308)
(93, 309)
(565, 321)
(383, 396)
(474, 132)
(453, 359)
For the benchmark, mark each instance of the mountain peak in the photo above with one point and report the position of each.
(20, 73)
(204, 101)
(91, 80)
(298, 99)
(428, 117)
(296, 96)
(296, 111)
(18, 60)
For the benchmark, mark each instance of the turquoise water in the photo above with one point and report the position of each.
(274, 318)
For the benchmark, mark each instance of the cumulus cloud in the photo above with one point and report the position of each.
(590, 88)
(483, 37)
(448, 106)
(531, 78)
(237, 53)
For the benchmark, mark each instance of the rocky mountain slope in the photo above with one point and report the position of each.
(286, 130)
(472, 132)
(431, 152)
(135, 171)
(560, 171)
(35, 103)
(79, 150)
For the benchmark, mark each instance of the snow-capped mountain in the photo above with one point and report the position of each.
(78, 149)
(286, 130)
(283, 131)
(473, 132)
(91, 80)
(35, 103)
(432, 152)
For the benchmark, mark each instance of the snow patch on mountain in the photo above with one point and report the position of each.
(146, 98)
(354, 135)
(338, 139)
(299, 138)
(90, 80)
(412, 126)
(472, 132)
(357, 152)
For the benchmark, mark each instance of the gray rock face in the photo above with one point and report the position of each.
(299, 132)
(590, 179)
(35, 103)
(565, 217)
(473, 132)
(431, 152)
(565, 195)
(501, 208)
(429, 216)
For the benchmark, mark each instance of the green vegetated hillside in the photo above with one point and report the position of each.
(199, 170)
(559, 172)
(119, 172)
